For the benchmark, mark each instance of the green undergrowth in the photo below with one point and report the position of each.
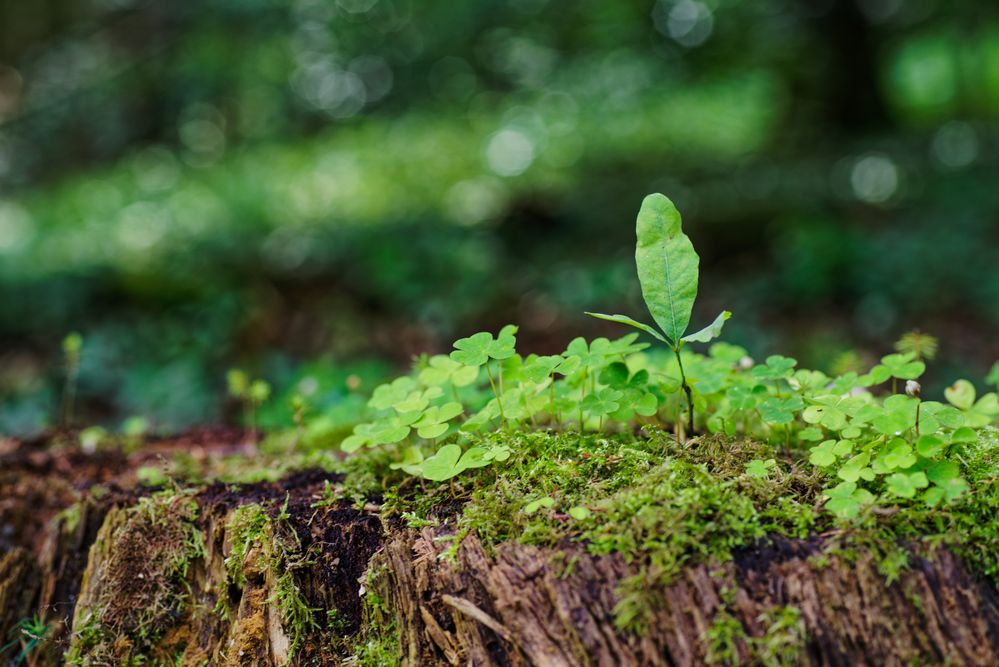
(663, 505)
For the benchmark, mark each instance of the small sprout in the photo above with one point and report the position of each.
(923, 347)
(91, 438)
(251, 393)
(668, 272)
(72, 348)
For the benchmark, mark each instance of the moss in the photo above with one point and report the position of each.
(377, 645)
(255, 534)
(663, 505)
(141, 587)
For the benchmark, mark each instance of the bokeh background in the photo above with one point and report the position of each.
(316, 190)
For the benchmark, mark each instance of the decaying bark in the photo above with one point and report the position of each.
(119, 574)
(530, 606)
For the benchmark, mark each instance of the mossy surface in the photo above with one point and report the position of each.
(146, 552)
(662, 504)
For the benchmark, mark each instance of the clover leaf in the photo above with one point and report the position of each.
(759, 468)
(899, 454)
(993, 376)
(777, 367)
(538, 369)
(902, 366)
(434, 421)
(442, 369)
(479, 348)
(961, 394)
(387, 395)
(827, 452)
(856, 468)
(602, 403)
(845, 499)
(417, 400)
(776, 410)
(449, 462)
(828, 412)
(905, 485)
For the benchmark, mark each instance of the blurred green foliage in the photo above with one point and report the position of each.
(201, 185)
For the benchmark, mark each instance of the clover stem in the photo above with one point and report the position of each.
(894, 385)
(551, 390)
(499, 401)
(686, 389)
(582, 395)
(454, 392)
(918, 403)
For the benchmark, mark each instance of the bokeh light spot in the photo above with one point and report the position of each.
(509, 152)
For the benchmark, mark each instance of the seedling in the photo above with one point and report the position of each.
(28, 633)
(252, 394)
(668, 271)
(72, 346)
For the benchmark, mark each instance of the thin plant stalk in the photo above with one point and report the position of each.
(499, 399)
(686, 389)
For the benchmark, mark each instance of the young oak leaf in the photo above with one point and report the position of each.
(667, 271)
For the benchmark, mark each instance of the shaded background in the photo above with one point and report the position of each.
(317, 190)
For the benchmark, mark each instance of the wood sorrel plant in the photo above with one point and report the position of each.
(667, 269)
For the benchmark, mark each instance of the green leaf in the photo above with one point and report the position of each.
(961, 394)
(993, 376)
(442, 369)
(964, 434)
(759, 468)
(776, 367)
(929, 446)
(579, 513)
(845, 499)
(899, 455)
(776, 410)
(624, 319)
(478, 348)
(903, 366)
(856, 468)
(667, 266)
(710, 332)
(449, 461)
(904, 485)
(943, 472)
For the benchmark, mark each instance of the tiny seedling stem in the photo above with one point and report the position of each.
(686, 389)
